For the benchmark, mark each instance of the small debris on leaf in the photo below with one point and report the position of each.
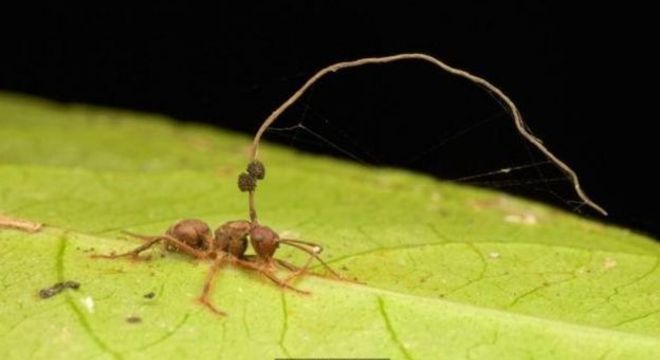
(88, 302)
(609, 263)
(525, 219)
(133, 319)
(7, 222)
(58, 288)
(150, 295)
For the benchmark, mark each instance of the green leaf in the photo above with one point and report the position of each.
(447, 271)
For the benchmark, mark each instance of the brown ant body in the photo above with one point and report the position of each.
(190, 236)
(229, 243)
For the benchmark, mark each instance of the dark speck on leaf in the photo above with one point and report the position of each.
(150, 295)
(58, 288)
(133, 319)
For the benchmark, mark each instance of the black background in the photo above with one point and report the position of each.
(582, 78)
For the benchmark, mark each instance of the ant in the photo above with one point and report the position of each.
(193, 237)
(229, 243)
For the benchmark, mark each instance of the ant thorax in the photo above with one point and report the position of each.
(231, 237)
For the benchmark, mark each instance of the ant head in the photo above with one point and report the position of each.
(193, 232)
(264, 240)
(231, 237)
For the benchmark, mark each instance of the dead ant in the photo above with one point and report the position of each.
(230, 241)
(229, 244)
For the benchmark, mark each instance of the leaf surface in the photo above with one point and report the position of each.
(446, 271)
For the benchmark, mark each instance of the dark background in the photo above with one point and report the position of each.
(581, 77)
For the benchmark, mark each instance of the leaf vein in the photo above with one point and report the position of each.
(637, 318)
(285, 325)
(82, 319)
(390, 328)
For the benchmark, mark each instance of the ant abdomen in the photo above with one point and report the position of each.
(231, 237)
(192, 232)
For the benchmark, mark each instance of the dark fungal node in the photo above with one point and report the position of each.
(257, 169)
(247, 182)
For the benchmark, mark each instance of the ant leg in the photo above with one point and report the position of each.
(151, 240)
(287, 265)
(208, 285)
(181, 246)
(313, 254)
(269, 275)
(135, 252)
(139, 236)
(177, 243)
(299, 271)
(283, 263)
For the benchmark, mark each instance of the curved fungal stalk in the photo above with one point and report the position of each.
(506, 102)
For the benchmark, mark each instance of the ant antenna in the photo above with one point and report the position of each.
(521, 126)
(311, 249)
